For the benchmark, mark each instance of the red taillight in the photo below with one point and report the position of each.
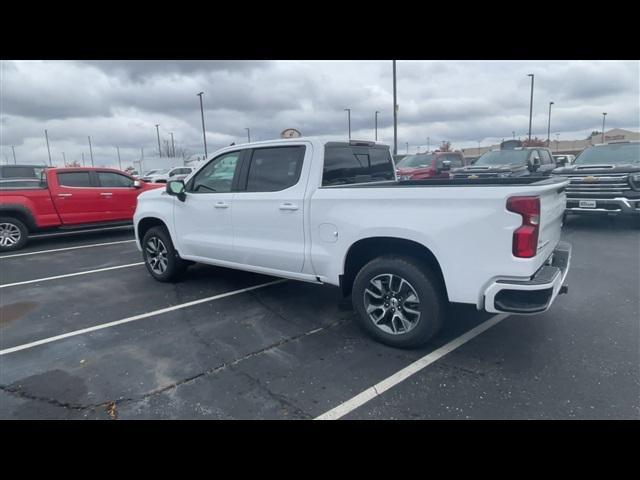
(525, 238)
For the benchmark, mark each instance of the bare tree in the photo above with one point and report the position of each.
(177, 151)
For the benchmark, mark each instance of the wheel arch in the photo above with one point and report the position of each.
(145, 224)
(19, 212)
(366, 249)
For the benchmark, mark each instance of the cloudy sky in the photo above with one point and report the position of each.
(118, 103)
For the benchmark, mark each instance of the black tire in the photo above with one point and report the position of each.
(14, 231)
(426, 285)
(175, 266)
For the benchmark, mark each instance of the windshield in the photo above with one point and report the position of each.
(613, 154)
(503, 157)
(414, 161)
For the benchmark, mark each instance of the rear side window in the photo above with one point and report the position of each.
(274, 169)
(74, 179)
(19, 172)
(344, 164)
(110, 179)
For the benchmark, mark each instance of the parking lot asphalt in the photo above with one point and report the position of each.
(224, 344)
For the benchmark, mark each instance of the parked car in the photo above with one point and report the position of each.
(605, 179)
(65, 198)
(21, 171)
(428, 165)
(564, 160)
(161, 176)
(334, 213)
(511, 162)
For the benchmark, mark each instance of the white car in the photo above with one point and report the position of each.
(564, 160)
(161, 176)
(334, 213)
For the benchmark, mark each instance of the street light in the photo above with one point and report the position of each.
(604, 115)
(549, 126)
(14, 154)
(530, 104)
(557, 141)
(173, 148)
(119, 161)
(204, 135)
(248, 134)
(348, 110)
(46, 135)
(90, 150)
(395, 112)
(64, 159)
(83, 159)
(377, 112)
(158, 133)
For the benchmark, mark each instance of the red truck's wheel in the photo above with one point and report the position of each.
(13, 234)
(398, 301)
(160, 256)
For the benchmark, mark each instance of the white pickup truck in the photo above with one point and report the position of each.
(334, 213)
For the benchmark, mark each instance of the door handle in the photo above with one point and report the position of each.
(221, 205)
(65, 194)
(106, 194)
(288, 206)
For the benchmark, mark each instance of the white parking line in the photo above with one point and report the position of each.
(393, 380)
(134, 318)
(66, 248)
(46, 279)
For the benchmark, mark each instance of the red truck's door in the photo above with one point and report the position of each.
(118, 195)
(76, 198)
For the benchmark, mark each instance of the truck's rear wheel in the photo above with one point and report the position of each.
(398, 301)
(160, 256)
(13, 234)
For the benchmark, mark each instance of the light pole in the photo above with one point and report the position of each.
(46, 136)
(119, 161)
(428, 144)
(604, 115)
(530, 104)
(90, 150)
(395, 112)
(173, 148)
(158, 133)
(549, 126)
(64, 159)
(348, 110)
(557, 140)
(377, 112)
(83, 159)
(248, 134)
(14, 154)
(204, 135)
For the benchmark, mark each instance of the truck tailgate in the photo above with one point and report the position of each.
(553, 201)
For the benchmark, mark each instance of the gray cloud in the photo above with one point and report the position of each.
(119, 102)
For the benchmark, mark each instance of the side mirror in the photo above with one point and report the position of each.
(176, 188)
(137, 184)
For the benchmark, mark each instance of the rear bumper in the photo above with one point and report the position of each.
(535, 295)
(604, 206)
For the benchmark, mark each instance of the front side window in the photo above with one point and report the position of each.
(217, 175)
(415, 161)
(74, 179)
(110, 179)
(274, 169)
(456, 160)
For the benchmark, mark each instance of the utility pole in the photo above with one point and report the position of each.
(549, 127)
(173, 148)
(46, 135)
(90, 151)
(248, 134)
(604, 115)
(119, 161)
(64, 159)
(395, 112)
(204, 135)
(530, 105)
(83, 159)
(348, 110)
(14, 155)
(377, 112)
(158, 132)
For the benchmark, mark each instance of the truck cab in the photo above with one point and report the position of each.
(509, 162)
(428, 165)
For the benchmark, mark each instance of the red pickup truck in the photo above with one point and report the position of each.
(66, 198)
(428, 165)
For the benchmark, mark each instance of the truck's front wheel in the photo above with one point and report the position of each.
(160, 256)
(13, 234)
(398, 301)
